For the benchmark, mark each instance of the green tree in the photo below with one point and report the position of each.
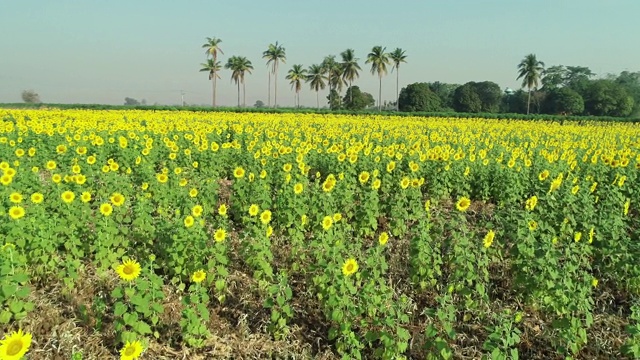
(397, 56)
(379, 60)
(30, 97)
(466, 99)
(565, 100)
(274, 54)
(490, 95)
(355, 99)
(418, 97)
(530, 71)
(212, 67)
(631, 82)
(333, 71)
(445, 93)
(350, 66)
(296, 75)
(607, 98)
(335, 102)
(212, 47)
(316, 78)
(239, 65)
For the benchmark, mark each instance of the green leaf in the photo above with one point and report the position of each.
(8, 290)
(119, 309)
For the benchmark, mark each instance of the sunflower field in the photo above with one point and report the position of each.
(169, 234)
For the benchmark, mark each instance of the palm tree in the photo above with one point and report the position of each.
(397, 56)
(212, 47)
(274, 54)
(239, 65)
(350, 67)
(316, 78)
(212, 67)
(530, 70)
(295, 76)
(379, 61)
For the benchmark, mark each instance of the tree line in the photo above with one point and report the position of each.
(331, 72)
(559, 89)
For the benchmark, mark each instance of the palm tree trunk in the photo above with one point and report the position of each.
(351, 95)
(397, 89)
(275, 88)
(215, 75)
(213, 85)
(298, 96)
(269, 101)
(244, 95)
(380, 93)
(238, 82)
(528, 101)
(318, 99)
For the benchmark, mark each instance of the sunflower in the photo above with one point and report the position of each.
(220, 235)
(68, 196)
(51, 165)
(591, 235)
(383, 238)
(304, 220)
(131, 351)
(80, 179)
(593, 187)
(189, 221)
(375, 185)
(222, 210)
(183, 182)
(488, 239)
(328, 184)
(5, 180)
(85, 197)
(594, 282)
(405, 182)
(350, 267)
(15, 345)
(543, 175)
(390, 166)
(193, 192)
(363, 177)
(106, 209)
(117, 199)
(15, 198)
(196, 211)
(577, 236)
(463, 203)
(327, 222)
(129, 270)
(269, 231)
(91, 159)
(162, 178)
(297, 188)
(253, 210)
(531, 203)
(287, 167)
(337, 217)
(265, 217)
(56, 178)
(37, 198)
(532, 224)
(625, 209)
(238, 172)
(16, 212)
(198, 276)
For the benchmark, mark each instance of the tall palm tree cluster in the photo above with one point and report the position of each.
(330, 72)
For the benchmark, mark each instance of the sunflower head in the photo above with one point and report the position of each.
(198, 276)
(265, 217)
(15, 345)
(117, 199)
(253, 210)
(220, 235)
(463, 203)
(16, 212)
(488, 239)
(106, 209)
(350, 267)
(131, 350)
(383, 238)
(129, 270)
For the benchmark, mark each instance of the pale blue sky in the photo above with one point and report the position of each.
(83, 51)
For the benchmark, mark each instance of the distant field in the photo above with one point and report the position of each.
(204, 235)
